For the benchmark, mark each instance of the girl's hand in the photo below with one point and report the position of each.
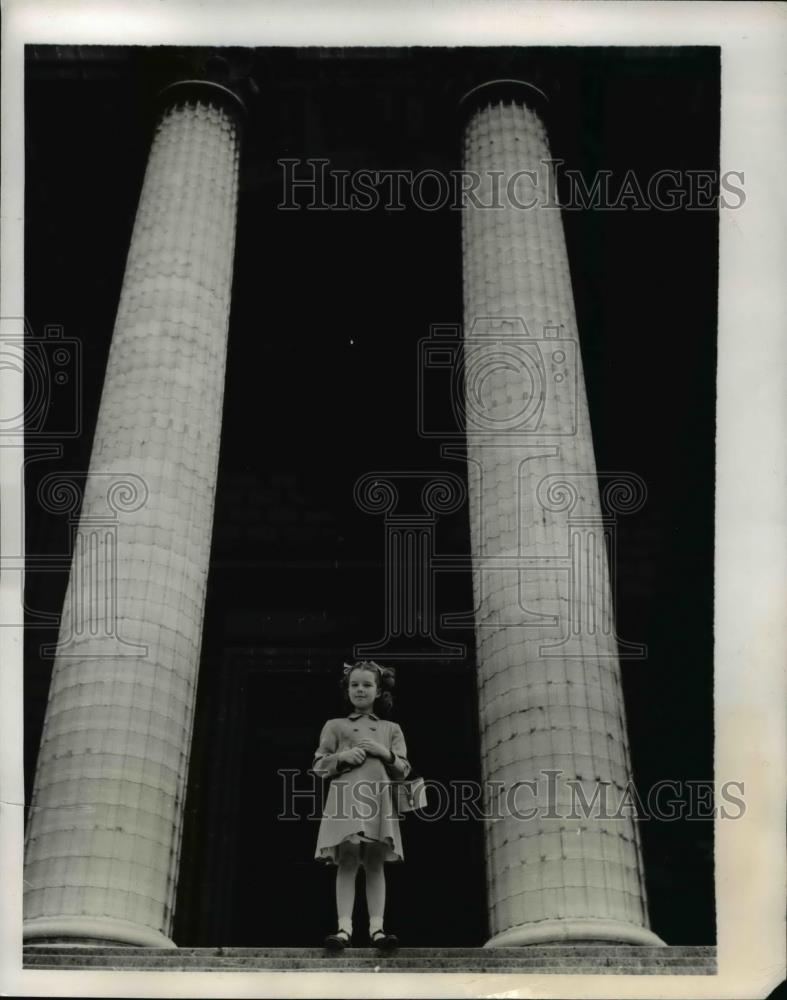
(374, 748)
(354, 756)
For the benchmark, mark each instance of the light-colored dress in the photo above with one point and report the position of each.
(360, 804)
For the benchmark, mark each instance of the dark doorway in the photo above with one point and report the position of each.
(257, 883)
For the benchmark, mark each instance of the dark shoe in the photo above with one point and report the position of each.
(383, 941)
(337, 941)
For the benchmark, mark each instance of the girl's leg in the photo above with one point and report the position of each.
(349, 857)
(373, 863)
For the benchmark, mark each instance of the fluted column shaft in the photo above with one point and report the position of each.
(104, 834)
(548, 675)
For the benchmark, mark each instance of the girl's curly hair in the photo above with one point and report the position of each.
(386, 681)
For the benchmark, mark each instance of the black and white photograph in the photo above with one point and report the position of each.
(380, 569)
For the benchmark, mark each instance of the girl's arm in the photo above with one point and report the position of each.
(398, 766)
(326, 761)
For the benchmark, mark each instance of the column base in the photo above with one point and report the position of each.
(575, 929)
(91, 932)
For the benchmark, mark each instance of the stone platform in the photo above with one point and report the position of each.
(579, 959)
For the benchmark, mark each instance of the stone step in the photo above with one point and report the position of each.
(543, 960)
(546, 970)
(222, 960)
(530, 951)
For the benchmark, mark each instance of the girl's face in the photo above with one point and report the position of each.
(362, 688)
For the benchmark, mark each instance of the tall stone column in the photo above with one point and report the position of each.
(551, 707)
(104, 833)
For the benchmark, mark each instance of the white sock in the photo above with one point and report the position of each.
(346, 924)
(375, 924)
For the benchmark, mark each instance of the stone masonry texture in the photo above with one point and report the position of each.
(548, 675)
(104, 833)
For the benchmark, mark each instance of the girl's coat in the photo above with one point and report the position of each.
(360, 799)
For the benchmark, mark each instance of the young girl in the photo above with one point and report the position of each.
(362, 754)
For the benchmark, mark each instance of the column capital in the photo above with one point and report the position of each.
(502, 90)
(185, 91)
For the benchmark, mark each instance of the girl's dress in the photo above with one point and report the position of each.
(360, 804)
